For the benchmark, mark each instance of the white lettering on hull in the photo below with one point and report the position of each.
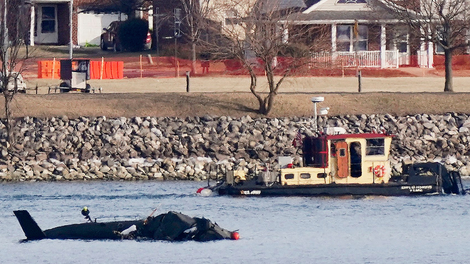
(254, 192)
(417, 188)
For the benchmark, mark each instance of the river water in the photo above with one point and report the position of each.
(428, 229)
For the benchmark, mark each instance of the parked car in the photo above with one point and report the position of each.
(20, 84)
(109, 38)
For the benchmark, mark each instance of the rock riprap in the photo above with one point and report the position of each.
(164, 148)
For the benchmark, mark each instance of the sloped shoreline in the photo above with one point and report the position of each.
(172, 148)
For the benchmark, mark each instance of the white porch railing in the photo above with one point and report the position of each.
(363, 59)
(423, 60)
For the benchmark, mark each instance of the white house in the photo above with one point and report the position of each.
(50, 22)
(365, 32)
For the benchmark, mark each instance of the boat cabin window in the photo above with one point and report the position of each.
(342, 152)
(305, 176)
(315, 152)
(289, 176)
(375, 146)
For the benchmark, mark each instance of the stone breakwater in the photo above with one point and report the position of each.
(155, 148)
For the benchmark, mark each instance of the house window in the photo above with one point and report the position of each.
(439, 48)
(399, 39)
(231, 17)
(352, 2)
(403, 47)
(48, 19)
(467, 36)
(346, 41)
(402, 41)
(375, 146)
(441, 40)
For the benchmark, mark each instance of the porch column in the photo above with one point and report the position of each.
(31, 26)
(285, 34)
(422, 53)
(422, 61)
(430, 54)
(383, 46)
(333, 41)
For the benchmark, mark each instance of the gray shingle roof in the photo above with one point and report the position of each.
(379, 12)
(278, 5)
(342, 15)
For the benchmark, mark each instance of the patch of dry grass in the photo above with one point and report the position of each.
(230, 96)
(222, 95)
(234, 104)
(290, 85)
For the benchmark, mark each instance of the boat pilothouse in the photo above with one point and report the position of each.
(342, 159)
(343, 164)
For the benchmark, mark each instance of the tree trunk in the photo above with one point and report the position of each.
(448, 87)
(253, 82)
(269, 100)
(8, 125)
(193, 57)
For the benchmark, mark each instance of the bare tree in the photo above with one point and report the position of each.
(195, 14)
(443, 22)
(190, 24)
(257, 33)
(13, 34)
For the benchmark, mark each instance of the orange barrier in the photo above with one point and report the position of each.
(110, 69)
(45, 69)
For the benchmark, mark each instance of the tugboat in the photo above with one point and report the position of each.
(337, 164)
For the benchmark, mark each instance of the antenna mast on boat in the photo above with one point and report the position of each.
(323, 110)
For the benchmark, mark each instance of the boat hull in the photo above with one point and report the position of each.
(328, 190)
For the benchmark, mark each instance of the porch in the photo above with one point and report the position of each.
(369, 59)
(359, 38)
(50, 22)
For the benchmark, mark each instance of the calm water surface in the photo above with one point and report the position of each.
(431, 229)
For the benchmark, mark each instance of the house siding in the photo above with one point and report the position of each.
(91, 26)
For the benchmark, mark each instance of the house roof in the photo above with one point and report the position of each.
(267, 6)
(378, 12)
(49, 1)
(328, 17)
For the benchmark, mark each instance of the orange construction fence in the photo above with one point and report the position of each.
(98, 70)
(49, 69)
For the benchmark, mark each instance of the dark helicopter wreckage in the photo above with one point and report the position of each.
(171, 226)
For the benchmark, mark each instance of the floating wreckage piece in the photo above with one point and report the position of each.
(171, 226)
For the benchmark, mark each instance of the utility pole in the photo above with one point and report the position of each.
(156, 25)
(176, 35)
